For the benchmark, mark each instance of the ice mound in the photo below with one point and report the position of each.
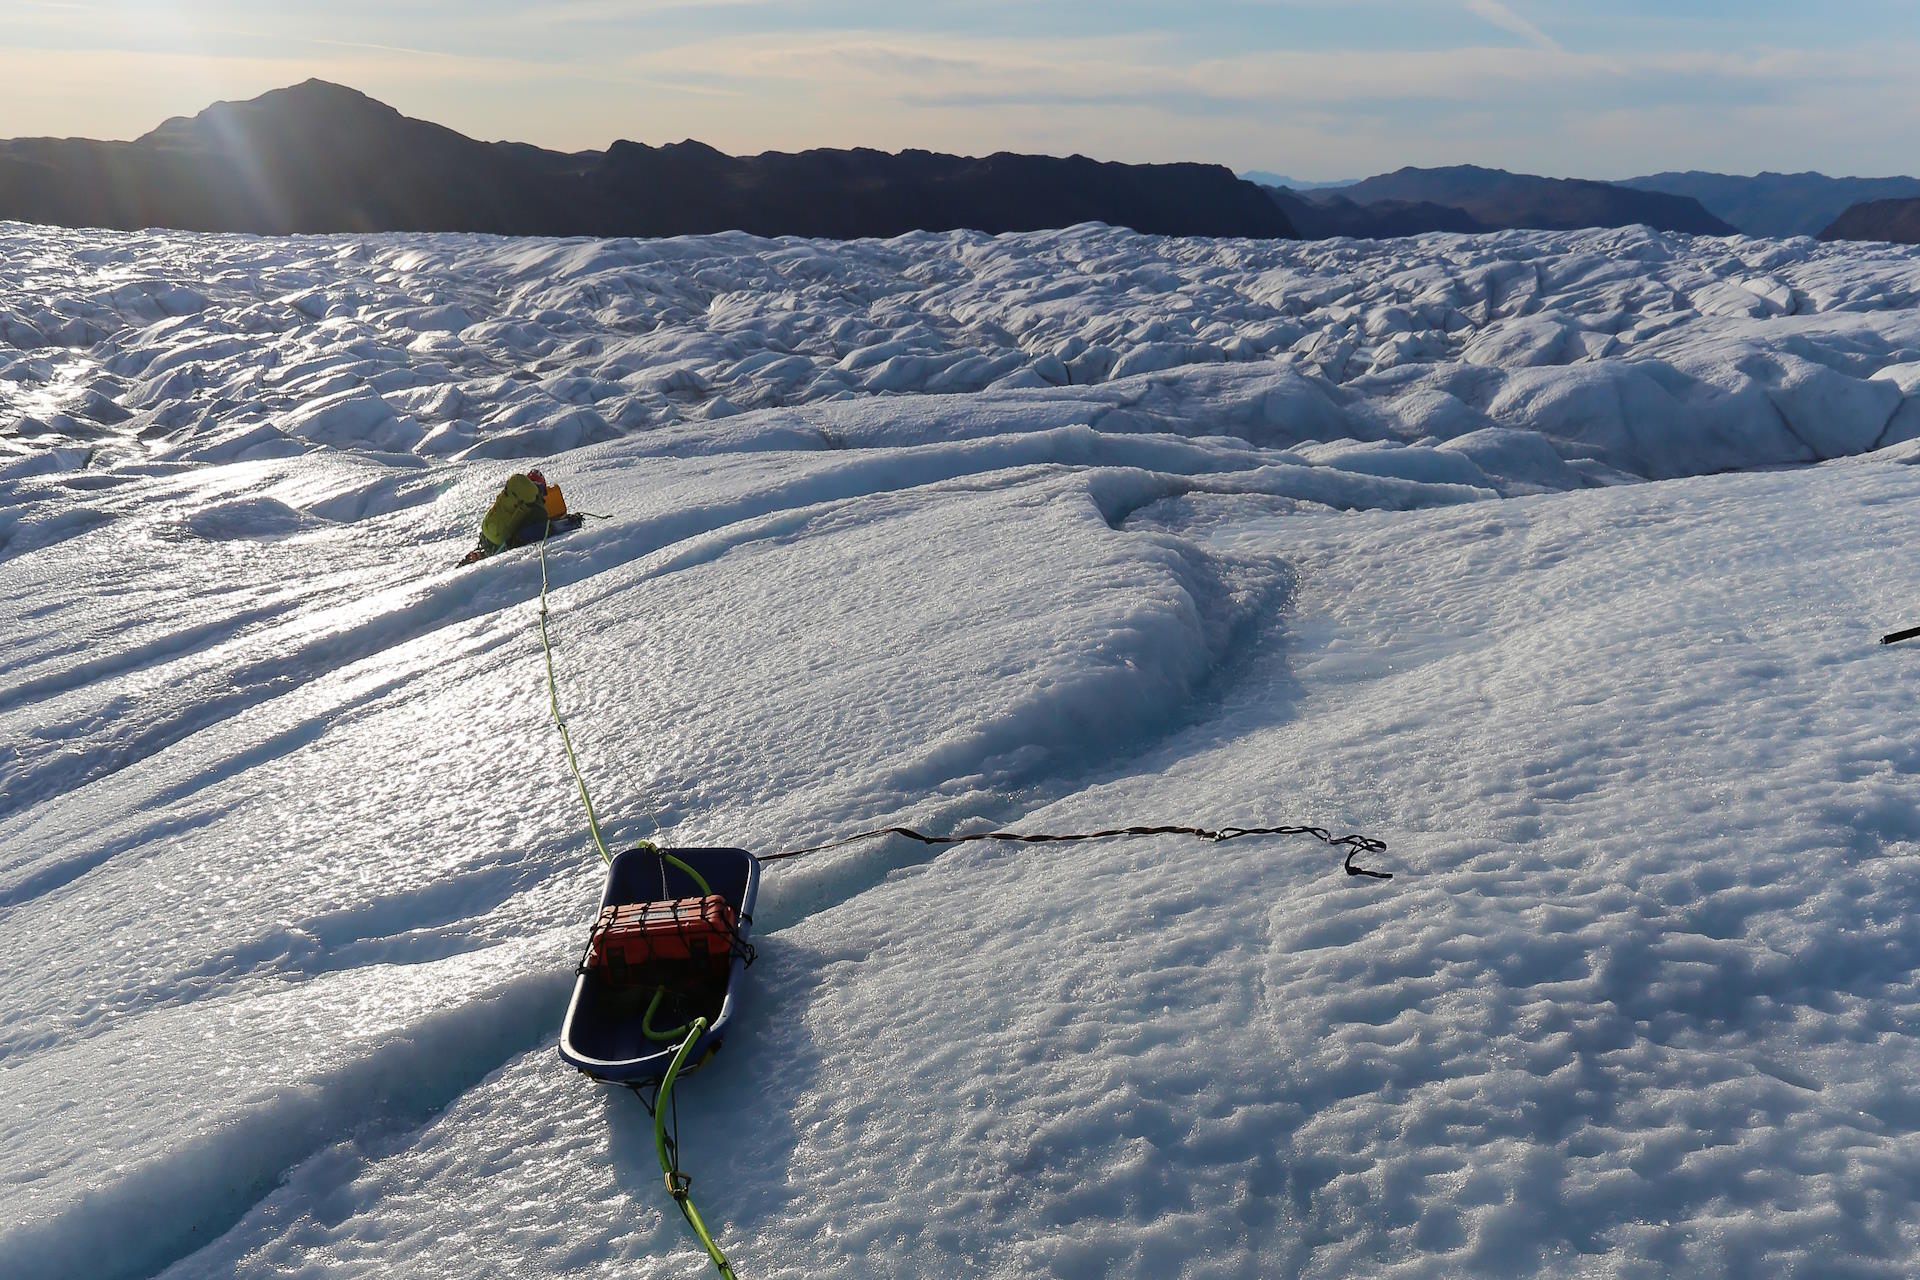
(1635, 352)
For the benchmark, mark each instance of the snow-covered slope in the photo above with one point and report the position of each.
(1047, 532)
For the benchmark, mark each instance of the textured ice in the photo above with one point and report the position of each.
(1045, 531)
(1652, 355)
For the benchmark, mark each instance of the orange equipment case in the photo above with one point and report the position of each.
(634, 935)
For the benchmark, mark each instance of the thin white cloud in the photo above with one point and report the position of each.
(887, 68)
(1327, 113)
(1507, 20)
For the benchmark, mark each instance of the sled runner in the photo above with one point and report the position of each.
(669, 946)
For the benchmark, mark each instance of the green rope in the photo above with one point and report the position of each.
(553, 701)
(646, 1020)
(677, 1181)
(706, 890)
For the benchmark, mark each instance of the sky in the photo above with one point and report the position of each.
(1316, 89)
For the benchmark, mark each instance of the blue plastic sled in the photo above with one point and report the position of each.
(602, 1034)
(540, 528)
(529, 533)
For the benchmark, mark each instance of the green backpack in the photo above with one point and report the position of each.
(519, 499)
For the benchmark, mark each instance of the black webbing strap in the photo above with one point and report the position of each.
(1353, 844)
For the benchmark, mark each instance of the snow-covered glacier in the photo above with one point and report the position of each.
(1556, 560)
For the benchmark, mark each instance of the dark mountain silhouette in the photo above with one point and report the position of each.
(315, 157)
(1498, 200)
(1322, 215)
(318, 157)
(690, 187)
(1895, 220)
(1777, 204)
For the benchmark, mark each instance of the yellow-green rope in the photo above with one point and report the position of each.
(553, 702)
(677, 1181)
(646, 1020)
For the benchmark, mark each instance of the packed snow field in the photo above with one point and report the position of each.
(1047, 532)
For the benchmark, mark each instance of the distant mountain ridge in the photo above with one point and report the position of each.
(1468, 198)
(319, 157)
(1260, 177)
(1497, 199)
(1324, 214)
(1777, 204)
